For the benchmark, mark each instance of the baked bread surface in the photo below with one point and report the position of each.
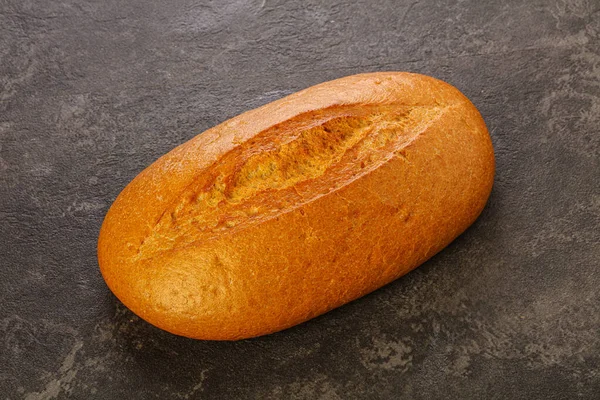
(297, 207)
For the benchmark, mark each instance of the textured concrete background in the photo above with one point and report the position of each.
(92, 92)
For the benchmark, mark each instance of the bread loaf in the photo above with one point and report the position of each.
(297, 207)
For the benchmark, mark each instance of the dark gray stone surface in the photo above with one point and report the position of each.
(92, 92)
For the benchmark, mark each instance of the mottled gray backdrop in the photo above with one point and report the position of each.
(91, 92)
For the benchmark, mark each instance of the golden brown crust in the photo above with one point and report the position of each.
(289, 210)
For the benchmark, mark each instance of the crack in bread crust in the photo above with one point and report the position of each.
(284, 167)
